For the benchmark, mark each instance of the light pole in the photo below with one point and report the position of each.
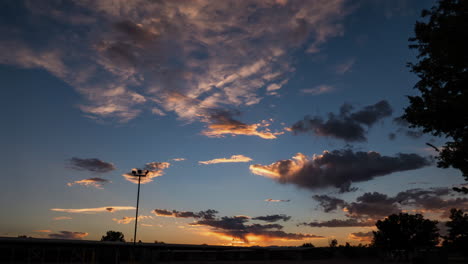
(139, 173)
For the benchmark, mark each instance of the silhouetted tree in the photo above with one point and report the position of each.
(405, 232)
(113, 236)
(310, 245)
(333, 243)
(458, 231)
(442, 107)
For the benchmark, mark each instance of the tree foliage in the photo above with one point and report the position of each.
(113, 236)
(405, 232)
(333, 243)
(458, 231)
(442, 107)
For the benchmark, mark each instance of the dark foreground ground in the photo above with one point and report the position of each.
(27, 250)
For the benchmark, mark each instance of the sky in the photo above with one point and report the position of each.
(268, 122)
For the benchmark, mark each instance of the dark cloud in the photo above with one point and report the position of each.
(340, 223)
(329, 203)
(208, 214)
(362, 236)
(347, 125)
(373, 205)
(92, 165)
(272, 218)
(238, 226)
(377, 205)
(68, 235)
(370, 114)
(338, 168)
(404, 128)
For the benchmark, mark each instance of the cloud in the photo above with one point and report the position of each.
(321, 89)
(68, 235)
(178, 159)
(273, 218)
(92, 165)
(348, 126)
(43, 231)
(233, 158)
(345, 67)
(329, 203)
(208, 214)
(94, 182)
(404, 128)
(62, 218)
(155, 169)
(338, 168)
(341, 223)
(236, 227)
(362, 236)
(374, 205)
(94, 210)
(222, 123)
(276, 200)
(128, 219)
(125, 59)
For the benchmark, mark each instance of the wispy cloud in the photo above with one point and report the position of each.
(276, 200)
(178, 159)
(94, 182)
(129, 219)
(137, 54)
(94, 210)
(272, 218)
(341, 223)
(345, 66)
(155, 169)
(58, 218)
(321, 89)
(92, 165)
(338, 168)
(233, 158)
(68, 235)
(43, 231)
(207, 214)
(222, 123)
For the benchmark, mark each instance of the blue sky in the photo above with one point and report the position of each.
(109, 86)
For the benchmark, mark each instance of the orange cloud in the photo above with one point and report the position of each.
(129, 219)
(68, 235)
(362, 236)
(238, 128)
(61, 218)
(94, 210)
(43, 231)
(94, 182)
(233, 158)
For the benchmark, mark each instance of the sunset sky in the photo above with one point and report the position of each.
(269, 122)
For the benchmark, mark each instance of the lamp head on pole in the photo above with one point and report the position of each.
(139, 172)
